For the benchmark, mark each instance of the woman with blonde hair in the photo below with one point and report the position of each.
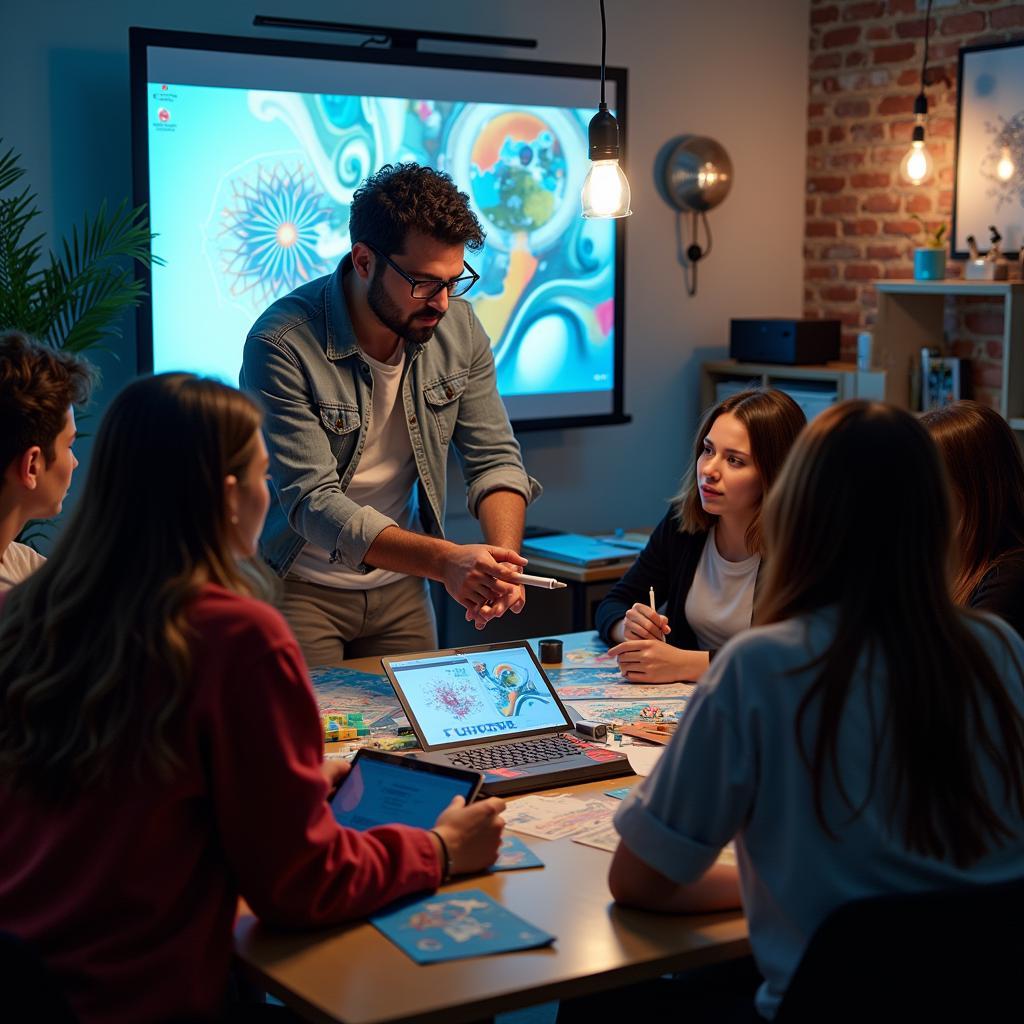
(160, 747)
(986, 472)
(866, 737)
(703, 560)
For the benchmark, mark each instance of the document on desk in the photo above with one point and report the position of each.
(455, 926)
(643, 757)
(558, 817)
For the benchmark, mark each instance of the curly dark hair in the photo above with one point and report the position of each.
(400, 198)
(37, 385)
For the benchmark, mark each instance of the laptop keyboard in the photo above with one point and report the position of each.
(514, 755)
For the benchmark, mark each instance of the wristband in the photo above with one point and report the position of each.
(446, 859)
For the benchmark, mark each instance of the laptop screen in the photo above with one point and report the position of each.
(474, 695)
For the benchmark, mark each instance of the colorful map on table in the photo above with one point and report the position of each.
(347, 691)
(630, 711)
(455, 926)
(582, 654)
(588, 684)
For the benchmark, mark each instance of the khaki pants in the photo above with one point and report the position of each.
(333, 624)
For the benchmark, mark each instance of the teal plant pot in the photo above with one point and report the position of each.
(929, 264)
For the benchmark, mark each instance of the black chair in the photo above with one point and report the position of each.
(28, 992)
(951, 955)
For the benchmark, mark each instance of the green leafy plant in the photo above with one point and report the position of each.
(73, 298)
(935, 237)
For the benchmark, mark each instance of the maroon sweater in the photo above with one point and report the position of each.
(130, 895)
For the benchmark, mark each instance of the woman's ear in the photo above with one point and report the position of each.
(231, 497)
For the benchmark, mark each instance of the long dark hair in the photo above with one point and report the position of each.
(859, 520)
(94, 647)
(773, 421)
(986, 472)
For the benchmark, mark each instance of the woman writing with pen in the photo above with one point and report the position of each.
(704, 558)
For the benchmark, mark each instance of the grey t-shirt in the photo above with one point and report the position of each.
(734, 770)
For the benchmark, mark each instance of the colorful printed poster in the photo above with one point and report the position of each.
(456, 926)
(515, 854)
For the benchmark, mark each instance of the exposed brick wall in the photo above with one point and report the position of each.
(865, 67)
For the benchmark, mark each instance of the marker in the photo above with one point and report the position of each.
(654, 608)
(537, 581)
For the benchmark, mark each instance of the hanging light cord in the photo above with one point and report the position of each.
(604, 43)
(691, 256)
(927, 33)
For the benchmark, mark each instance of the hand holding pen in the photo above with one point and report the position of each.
(642, 622)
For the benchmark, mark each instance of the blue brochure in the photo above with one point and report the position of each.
(455, 926)
(619, 794)
(514, 854)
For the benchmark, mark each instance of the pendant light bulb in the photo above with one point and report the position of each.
(917, 165)
(1006, 168)
(605, 193)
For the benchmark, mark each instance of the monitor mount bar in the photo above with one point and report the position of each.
(396, 38)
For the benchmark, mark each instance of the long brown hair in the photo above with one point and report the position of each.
(859, 520)
(773, 421)
(94, 648)
(986, 472)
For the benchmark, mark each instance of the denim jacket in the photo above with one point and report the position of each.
(302, 363)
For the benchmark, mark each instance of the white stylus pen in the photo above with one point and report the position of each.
(538, 581)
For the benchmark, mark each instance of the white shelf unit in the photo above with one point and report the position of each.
(910, 317)
(848, 380)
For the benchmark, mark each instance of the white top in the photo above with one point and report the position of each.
(734, 769)
(384, 479)
(721, 598)
(19, 562)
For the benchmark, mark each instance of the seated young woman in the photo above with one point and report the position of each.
(703, 560)
(986, 472)
(160, 746)
(804, 735)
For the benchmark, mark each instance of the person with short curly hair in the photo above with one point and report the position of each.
(367, 377)
(38, 389)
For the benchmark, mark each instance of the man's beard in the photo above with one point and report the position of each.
(390, 315)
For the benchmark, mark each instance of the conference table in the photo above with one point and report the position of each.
(354, 975)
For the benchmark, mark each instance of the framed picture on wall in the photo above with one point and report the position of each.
(988, 189)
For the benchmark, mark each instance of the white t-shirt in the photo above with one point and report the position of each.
(720, 601)
(384, 479)
(734, 769)
(19, 562)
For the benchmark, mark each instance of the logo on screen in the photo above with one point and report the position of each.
(511, 688)
(163, 115)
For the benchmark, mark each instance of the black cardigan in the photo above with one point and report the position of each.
(668, 563)
(1001, 591)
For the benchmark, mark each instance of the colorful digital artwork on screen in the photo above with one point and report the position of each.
(250, 193)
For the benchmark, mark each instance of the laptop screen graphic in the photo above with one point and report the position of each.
(477, 696)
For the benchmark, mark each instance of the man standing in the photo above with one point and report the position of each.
(362, 402)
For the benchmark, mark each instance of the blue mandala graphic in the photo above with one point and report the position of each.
(271, 229)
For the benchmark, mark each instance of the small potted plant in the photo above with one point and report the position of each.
(930, 258)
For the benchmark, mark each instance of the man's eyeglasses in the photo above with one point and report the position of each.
(427, 289)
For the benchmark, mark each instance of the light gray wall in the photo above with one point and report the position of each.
(735, 70)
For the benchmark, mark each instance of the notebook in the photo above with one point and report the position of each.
(578, 549)
(492, 709)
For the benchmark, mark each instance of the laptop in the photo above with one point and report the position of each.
(492, 709)
(578, 549)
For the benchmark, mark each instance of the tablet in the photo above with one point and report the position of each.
(385, 789)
